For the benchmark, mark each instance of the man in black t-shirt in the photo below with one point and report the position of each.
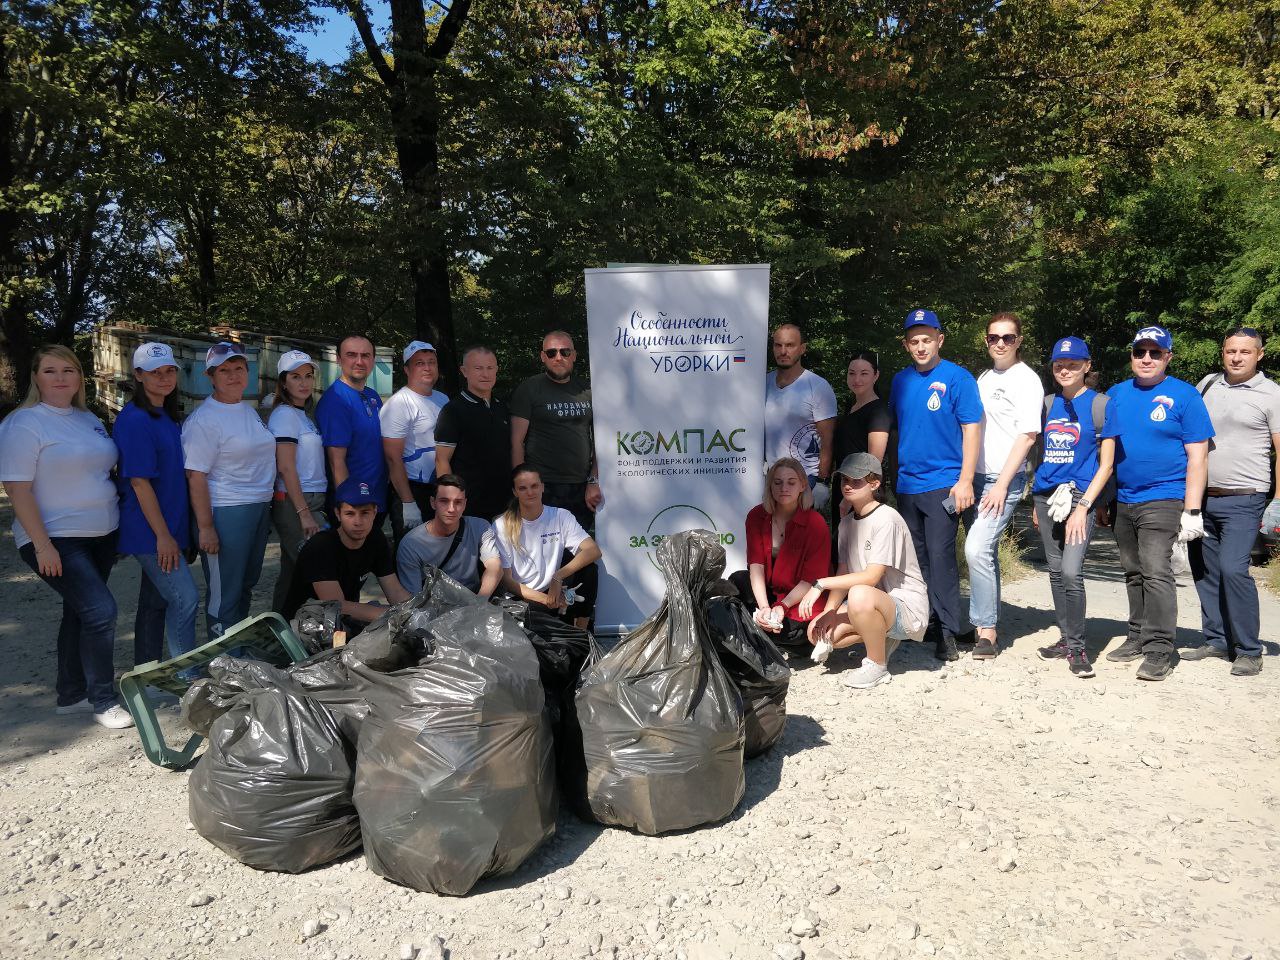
(473, 437)
(333, 564)
(551, 430)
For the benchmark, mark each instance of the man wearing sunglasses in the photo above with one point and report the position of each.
(1162, 432)
(1245, 407)
(551, 430)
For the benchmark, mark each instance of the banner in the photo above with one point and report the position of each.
(677, 395)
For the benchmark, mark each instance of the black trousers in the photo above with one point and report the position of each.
(933, 531)
(421, 496)
(794, 634)
(571, 497)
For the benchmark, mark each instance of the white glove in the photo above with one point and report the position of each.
(412, 515)
(821, 650)
(821, 495)
(1192, 527)
(1271, 517)
(1060, 502)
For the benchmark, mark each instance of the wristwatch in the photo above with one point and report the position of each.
(591, 480)
(1085, 502)
(1195, 512)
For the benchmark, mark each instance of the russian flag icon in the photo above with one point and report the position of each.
(739, 359)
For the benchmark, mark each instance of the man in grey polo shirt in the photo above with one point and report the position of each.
(463, 547)
(1245, 408)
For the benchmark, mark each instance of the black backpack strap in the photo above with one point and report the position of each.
(453, 547)
(1099, 412)
(1210, 383)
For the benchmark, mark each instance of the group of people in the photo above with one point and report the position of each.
(1162, 461)
(499, 497)
(502, 496)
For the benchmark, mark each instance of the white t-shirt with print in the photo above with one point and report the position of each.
(67, 456)
(791, 415)
(542, 542)
(882, 537)
(411, 417)
(230, 443)
(288, 423)
(1012, 403)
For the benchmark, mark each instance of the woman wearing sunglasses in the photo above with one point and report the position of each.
(1012, 397)
(231, 469)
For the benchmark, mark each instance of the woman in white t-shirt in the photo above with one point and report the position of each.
(545, 552)
(56, 461)
(297, 509)
(1012, 399)
(231, 469)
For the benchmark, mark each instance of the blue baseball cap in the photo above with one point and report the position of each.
(354, 493)
(921, 318)
(1161, 337)
(1070, 348)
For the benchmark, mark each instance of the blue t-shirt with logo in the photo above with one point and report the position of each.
(1070, 444)
(151, 448)
(349, 418)
(1151, 426)
(930, 408)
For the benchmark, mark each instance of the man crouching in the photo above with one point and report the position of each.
(877, 597)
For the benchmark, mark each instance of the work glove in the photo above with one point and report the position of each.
(412, 515)
(821, 495)
(821, 650)
(1060, 502)
(1192, 527)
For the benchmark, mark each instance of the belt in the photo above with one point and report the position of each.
(1229, 492)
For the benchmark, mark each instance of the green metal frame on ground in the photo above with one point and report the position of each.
(264, 637)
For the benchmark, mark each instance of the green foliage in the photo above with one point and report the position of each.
(1092, 166)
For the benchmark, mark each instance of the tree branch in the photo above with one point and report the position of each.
(357, 12)
(449, 29)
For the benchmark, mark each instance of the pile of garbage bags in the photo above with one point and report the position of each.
(441, 737)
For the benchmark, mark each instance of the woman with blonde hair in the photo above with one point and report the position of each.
(545, 551)
(56, 461)
(788, 549)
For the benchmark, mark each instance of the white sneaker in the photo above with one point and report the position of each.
(867, 675)
(83, 706)
(114, 718)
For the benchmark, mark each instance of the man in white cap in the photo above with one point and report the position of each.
(409, 438)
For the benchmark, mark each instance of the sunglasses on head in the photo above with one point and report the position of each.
(565, 352)
(220, 351)
(1008, 339)
(1155, 353)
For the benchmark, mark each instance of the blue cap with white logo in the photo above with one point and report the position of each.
(1071, 348)
(921, 318)
(354, 493)
(1161, 337)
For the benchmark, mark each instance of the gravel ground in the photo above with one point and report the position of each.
(984, 810)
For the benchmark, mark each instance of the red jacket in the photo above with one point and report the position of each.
(805, 553)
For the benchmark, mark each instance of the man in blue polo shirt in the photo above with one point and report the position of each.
(347, 416)
(939, 415)
(1162, 432)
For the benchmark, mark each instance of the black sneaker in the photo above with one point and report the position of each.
(1246, 666)
(1206, 652)
(1057, 652)
(1131, 649)
(1079, 663)
(967, 639)
(1156, 666)
(944, 647)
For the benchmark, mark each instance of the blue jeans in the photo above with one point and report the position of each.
(87, 634)
(981, 550)
(167, 604)
(232, 573)
(1220, 566)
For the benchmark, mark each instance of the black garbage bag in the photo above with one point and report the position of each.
(273, 789)
(316, 622)
(757, 667)
(662, 724)
(455, 778)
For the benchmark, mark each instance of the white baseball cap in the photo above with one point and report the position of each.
(292, 361)
(153, 356)
(220, 353)
(414, 347)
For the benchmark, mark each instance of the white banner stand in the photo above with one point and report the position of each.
(677, 395)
